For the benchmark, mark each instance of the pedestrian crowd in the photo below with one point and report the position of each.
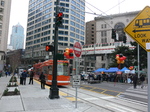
(112, 77)
(24, 74)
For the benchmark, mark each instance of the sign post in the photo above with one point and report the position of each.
(139, 30)
(77, 52)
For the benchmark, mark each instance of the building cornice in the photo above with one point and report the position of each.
(116, 15)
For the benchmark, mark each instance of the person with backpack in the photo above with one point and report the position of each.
(42, 79)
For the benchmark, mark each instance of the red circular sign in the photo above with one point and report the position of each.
(77, 49)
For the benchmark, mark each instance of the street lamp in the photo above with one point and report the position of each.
(54, 91)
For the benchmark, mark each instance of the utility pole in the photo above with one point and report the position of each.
(54, 91)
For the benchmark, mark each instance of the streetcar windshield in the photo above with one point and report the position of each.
(62, 69)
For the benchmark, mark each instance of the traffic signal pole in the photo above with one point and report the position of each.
(54, 91)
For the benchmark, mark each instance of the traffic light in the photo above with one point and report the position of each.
(124, 38)
(49, 48)
(59, 18)
(113, 34)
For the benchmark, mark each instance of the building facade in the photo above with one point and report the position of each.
(5, 6)
(90, 32)
(17, 37)
(104, 26)
(41, 22)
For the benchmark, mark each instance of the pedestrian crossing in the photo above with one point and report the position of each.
(137, 95)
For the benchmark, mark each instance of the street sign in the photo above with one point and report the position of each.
(139, 28)
(77, 49)
(76, 81)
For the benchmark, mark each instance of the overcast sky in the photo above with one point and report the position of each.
(19, 9)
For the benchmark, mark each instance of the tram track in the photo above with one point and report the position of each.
(113, 103)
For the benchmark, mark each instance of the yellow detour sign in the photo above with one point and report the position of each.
(139, 28)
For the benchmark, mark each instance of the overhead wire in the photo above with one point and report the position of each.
(102, 11)
(115, 5)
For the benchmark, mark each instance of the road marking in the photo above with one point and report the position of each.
(72, 98)
(107, 97)
(119, 108)
(135, 95)
(92, 98)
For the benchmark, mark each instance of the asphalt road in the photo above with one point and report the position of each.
(107, 87)
(117, 89)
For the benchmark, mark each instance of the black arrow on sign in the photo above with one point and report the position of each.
(140, 30)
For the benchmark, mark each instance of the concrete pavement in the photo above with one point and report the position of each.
(34, 99)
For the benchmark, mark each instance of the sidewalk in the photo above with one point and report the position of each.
(34, 99)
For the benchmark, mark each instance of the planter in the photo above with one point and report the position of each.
(11, 93)
(11, 84)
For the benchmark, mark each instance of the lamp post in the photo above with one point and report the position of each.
(54, 91)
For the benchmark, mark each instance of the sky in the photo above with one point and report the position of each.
(19, 9)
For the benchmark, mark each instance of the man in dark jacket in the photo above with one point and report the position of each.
(24, 75)
(135, 79)
(42, 79)
(142, 79)
(31, 77)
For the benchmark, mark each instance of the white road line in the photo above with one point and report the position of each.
(120, 108)
(135, 95)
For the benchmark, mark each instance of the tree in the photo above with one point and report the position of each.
(125, 51)
(14, 59)
(142, 54)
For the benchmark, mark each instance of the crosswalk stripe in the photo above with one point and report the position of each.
(119, 108)
(141, 92)
(135, 95)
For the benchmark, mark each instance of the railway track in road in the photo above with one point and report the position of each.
(106, 101)
(101, 90)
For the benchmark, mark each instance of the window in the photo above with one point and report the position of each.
(2, 3)
(102, 58)
(1, 10)
(103, 33)
(0, 25)
(1, 17)
(103, 26)
(104, 40)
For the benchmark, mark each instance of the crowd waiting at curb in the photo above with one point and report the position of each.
(113, 77)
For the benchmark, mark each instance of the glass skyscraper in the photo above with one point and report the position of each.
(17, 37)
(41, 24)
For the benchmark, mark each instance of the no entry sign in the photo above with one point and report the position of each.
(77, 49)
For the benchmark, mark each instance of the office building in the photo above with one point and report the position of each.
(5, 6)
(90, 32)
(17, 37)
(41, 22)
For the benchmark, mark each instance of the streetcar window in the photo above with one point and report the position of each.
(45, 69)
(50, 69)
(62, 69)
